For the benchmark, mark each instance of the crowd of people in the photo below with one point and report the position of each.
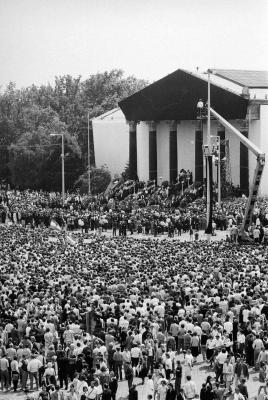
(77, 320)
(79, 317)
(145, 209)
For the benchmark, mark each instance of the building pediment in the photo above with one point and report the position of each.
(175, 97)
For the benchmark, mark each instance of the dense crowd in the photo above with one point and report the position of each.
(77, 320)
(143, 208)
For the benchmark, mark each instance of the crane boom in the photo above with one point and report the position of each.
(251, 146)
(252, 198)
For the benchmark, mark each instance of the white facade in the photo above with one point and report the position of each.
(111, 140)
(110, 132)
(257, 133)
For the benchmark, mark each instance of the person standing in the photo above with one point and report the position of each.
(240, 370)
(23, 371)
(133, 393)
(129, 374)
(63, 363)
(33, 369)
(189, 388)
(107, 393)
(150, 386)
(162, 390)
(118, 363)
(257, 347)
(15, 373)
(113, 385)
(178, 376)
(4, 365)
(57, 394)
(171, 393)
(228, 373)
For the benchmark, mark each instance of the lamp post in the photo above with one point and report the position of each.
(88, 155)
(62, 165)
(208, 156)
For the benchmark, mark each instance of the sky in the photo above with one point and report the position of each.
(40, 39)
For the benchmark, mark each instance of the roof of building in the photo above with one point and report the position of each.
(175, 97)
(251, 79)
(115, 114)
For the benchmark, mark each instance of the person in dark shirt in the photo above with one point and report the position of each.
(243, 388)
(107, 393)
(133, 393)
(171, 393)
(203, 392)
(113, 385)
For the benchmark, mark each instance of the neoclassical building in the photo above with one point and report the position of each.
(165, 135)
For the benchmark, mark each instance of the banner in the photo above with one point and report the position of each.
(55, 225)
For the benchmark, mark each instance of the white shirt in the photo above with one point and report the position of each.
(34, 365)
(135, 352)
(190, 390)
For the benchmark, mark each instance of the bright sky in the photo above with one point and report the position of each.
(147, 38)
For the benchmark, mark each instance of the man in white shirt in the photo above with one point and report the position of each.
(228, 326)
(33, 367)
(135, 355)
(189, 389)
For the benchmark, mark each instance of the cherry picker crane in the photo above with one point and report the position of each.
(252, 198)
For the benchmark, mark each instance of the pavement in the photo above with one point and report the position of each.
(185, 236)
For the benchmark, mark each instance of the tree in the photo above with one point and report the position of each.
(31, 112)
(34, 160)
(99, 180)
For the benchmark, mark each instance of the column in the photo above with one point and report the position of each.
(244, 170)
(132, 150)
(152, 152)
(199, 154)
(221, 134)
(173, 155)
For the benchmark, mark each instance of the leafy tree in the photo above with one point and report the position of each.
(99, 180)
(34, 160)
(29, 115)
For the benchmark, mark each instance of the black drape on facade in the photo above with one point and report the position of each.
(133, 153)
(173, 158)
(152, 156)
(199, 156)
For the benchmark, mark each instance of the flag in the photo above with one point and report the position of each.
(52, 239)
(55, 225)
(70, 240)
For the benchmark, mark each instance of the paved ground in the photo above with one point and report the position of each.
(185, 237)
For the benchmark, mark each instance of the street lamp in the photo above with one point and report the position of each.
(62, 164)
(88, 155)
(208, 156)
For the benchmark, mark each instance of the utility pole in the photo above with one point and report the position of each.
(208, 230)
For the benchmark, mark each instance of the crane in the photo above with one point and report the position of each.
(252, 198)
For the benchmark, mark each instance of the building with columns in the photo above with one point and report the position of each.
(165, 135)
